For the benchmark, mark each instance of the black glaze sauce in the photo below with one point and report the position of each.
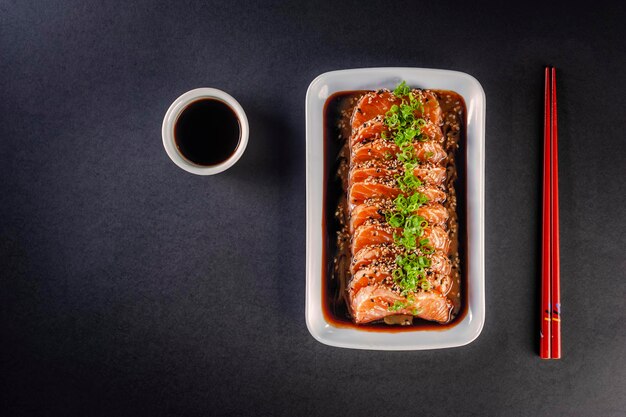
(207, 132)
(334, 304)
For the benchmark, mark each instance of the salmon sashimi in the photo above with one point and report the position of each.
(377, 275)
(364, 212)
(438, 238)
(375, 234)
(362, 174)
(370, 130)
(378, 103)
(433, 132)
(441, 283)
(374, 254)
(373, 303)
(359, 192)
(367, 235)
(440, 264)
(382, 149)
(384, 254)
(369, 276)
(435, 214)
(432, 110)
(431, 176)
(374, 128)
(371, 105)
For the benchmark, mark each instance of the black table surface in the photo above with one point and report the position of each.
(130, 287)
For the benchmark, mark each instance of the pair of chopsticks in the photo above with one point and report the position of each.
(550, 341)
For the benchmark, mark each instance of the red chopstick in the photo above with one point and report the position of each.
(546, 315)
(556, 266)
(550, 337)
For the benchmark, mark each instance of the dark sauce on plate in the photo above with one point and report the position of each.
(336, 133)
(207, 132)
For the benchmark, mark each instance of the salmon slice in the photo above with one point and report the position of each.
(361, 174)
(373, 254)
(437, 238)
(369, 276)
(367, 235)
(430, 176)
(364, 212)
(370, 130)
(376, 275)
(371, 105)
(441, 283)
(359, 192)
(383, 255)
(372, 303)
(378, 103)
(433, 132)
(375, 234)
(382, 149)
(374, 128)
(435, 214)
(432, 109)
(440, 264)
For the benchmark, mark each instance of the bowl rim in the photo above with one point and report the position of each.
(174, 111)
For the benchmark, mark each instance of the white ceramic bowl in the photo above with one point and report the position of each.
(320, 89)
(171, 116)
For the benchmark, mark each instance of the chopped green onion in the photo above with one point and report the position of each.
(402, 90)
(404, 128)
(398, 305)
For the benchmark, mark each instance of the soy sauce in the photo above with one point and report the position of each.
(207, 132)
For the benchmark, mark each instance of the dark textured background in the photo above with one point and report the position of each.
(130, 287)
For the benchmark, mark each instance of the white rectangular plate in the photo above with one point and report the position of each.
(470, 89)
